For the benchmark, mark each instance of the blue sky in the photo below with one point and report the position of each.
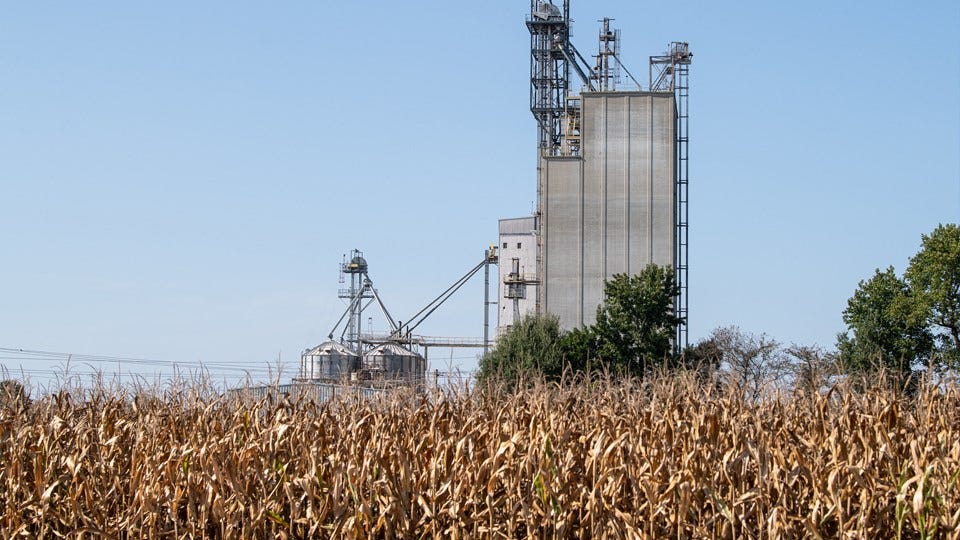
(179, 180)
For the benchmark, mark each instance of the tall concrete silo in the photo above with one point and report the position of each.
(612, 173)
(610, 209)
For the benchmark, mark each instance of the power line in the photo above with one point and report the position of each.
(67, 360)
(58, 367)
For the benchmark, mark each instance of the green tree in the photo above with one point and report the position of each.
(885, 327)
(579, 348)
(636, 322)
(530, 347)
(934, 279)
(634, 331)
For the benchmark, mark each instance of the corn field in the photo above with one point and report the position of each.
(663, 458)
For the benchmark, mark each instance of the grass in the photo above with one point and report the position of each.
(663, 458)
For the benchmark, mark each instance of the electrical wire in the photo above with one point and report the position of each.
(66, 361)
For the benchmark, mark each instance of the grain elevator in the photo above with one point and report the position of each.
(612, 175)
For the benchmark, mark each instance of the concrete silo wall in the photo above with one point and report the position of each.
(611, 210)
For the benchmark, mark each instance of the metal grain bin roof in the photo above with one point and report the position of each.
(391, 349)
(330, 348)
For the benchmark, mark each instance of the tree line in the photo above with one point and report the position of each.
(900, 325)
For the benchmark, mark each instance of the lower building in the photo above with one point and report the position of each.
(517, 271)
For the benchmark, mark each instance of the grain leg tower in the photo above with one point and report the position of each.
(612, 176)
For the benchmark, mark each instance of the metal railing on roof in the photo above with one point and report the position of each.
(423, 341)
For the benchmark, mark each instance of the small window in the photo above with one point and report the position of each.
(504, 245)
(518, 245)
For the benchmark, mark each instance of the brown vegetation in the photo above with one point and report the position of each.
(660, 459)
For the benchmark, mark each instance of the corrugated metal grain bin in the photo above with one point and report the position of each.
(328, 361)
(395, 362)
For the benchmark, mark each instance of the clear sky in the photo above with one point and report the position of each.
(179, 180)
